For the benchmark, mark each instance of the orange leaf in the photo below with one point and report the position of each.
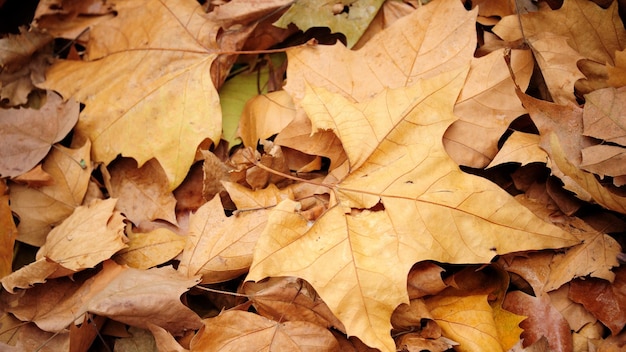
(8, 232)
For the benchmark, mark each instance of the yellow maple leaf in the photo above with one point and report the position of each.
(146, 85)
(357, 259)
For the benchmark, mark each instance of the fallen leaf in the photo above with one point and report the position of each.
(594, 32)
(521, 148)
(23, 58)
(604, 160)
(605, 300)
(72, 246)
(83, 336)
(390, 12)
(424, 279)
(8, 232)
(236, 330)
(467, 320)
(218, 247)
(602, 116)
(575, 314)
(585, 180)
(146, 250)
(29, 134)
(240, 91)
(164, 340)
(31, 338)
(290, 299)
(617, 73)
(264, 116)
(140, 339)
(150, 117)
(543, 320)
(557, 62)
(347, 257)
(134, 297)
(348, 18)
(59, 199)
(486, 106)
(433, 39)
(70, 19)
(143, 193)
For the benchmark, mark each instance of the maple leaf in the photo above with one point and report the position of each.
(147, 85)
(432, 210)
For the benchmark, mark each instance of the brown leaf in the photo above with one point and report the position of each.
(584, 181)
(605, 300)
(143, 193)
(237, 330)
(28, 134)
(135, 297)
(575, 314)
(594, 32)
(23, 59)
(69, 19)
(424, 279)
(59, 199)
(290, 299)
(603, 115)
(543, 320)
(557, 62)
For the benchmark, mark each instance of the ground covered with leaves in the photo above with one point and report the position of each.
(313, 176)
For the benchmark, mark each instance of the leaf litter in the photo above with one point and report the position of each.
(427, 186)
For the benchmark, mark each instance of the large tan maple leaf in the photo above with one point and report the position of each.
(403, 201)
(146, 85)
